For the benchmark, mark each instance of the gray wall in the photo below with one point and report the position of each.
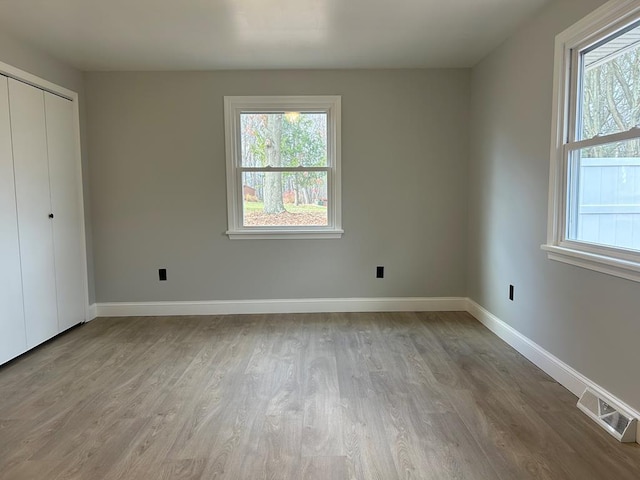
(20, 55)
(587, 319)
(159, 191)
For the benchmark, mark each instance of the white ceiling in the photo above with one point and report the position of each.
(240, 34)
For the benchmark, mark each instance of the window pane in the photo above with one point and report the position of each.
(604, 206)
(611, 86)
(284, 199)
(288, 139)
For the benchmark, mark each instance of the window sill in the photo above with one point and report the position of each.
(282, 234)
(604, 264)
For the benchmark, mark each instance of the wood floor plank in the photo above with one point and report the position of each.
(366, 444)
(305, 396)
(601, 456)
(353, 375)
(518, 438)
(322, 421)
(324, 468)
(189, 469)
(280, 445)
(432, 445)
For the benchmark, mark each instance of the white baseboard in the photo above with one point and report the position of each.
(92, 312)
(565, 375)
(309, 305)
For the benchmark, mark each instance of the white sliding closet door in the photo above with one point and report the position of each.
(65, 178)
(13, 340)
(34, 206)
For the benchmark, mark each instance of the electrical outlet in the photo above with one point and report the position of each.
(379, 272)
(162, 274)
(511, 292)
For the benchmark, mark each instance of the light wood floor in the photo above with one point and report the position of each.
(334, 396)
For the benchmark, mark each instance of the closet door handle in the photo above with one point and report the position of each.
(51, 215)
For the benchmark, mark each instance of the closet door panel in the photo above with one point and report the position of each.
(29, 137)
(13, 340)
(65, 178)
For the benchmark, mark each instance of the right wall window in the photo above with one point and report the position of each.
(594, 212)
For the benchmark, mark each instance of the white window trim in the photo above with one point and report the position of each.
(613, 261)
(233, 107)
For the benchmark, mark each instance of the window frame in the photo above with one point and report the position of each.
(234, 106)
(610, 18)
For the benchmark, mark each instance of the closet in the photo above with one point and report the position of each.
(43, 273)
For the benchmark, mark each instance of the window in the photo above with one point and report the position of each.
(594, 210)
(283, 167)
